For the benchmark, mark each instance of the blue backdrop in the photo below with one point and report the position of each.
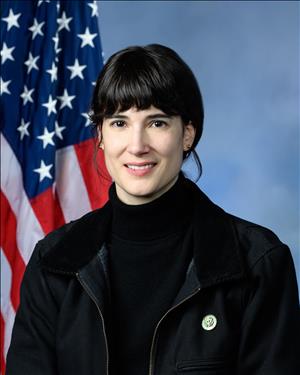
(245, 56)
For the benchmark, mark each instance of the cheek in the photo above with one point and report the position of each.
(112, 145)
(110, 156)
(170, 147)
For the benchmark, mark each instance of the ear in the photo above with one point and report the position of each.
(189, 133)
(100, 138)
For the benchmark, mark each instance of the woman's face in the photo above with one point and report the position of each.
(143, 152)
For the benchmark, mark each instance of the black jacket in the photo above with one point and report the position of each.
(236, 313)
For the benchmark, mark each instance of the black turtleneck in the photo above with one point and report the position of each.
(149, 256)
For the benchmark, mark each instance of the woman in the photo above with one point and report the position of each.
(160, 280)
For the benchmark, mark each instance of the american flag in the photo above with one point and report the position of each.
(50, 59)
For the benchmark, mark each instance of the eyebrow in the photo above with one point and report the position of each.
(155, 115)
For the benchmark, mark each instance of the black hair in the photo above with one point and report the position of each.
(144, 76)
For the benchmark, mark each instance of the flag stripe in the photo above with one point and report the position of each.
(47, 210)
(7, 309)
(29, 230)
(71, 190)
(95, 175)
(10, 248)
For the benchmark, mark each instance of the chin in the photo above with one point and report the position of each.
(140, 193)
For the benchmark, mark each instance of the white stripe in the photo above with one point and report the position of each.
(29, 230)
(7, 309)
(71, 189)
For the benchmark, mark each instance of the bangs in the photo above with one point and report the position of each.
(136, 82)
(139, 92)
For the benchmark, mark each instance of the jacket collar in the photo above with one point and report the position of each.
(72, 246)
(216, 246)
(217, 251)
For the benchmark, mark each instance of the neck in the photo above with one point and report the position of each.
(156, 219)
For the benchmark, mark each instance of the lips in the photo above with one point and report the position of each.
(140, 169)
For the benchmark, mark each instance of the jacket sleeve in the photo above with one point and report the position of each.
(32, 348)
(270, 335)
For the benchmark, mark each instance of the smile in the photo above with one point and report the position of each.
(140, 167)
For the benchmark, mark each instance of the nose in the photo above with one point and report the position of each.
(138, 142)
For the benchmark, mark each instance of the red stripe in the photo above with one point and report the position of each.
(47, 210)
(2, 324)
(10, 248)
(97, 181)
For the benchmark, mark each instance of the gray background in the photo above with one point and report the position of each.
(245, 56)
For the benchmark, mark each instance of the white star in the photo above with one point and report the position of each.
(53, 72)
(36, 28)
(66, 100)
(64, 22)
(44, 170)
(47, 138)
(31, 63)
(86, 116)
(12, 19)
(87, 38)
(76, 69)
(94, 8)
(26, 95)
(56, 41)
(59, 130)
(4, 87)
(50, 105)
(23, 129)
(6, 53)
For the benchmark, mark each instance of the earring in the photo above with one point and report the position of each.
(101, 146)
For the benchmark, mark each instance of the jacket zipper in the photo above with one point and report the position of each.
(86, 289)
(154, 339)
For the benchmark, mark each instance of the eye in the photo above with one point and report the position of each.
(118, 124)
(158, 124)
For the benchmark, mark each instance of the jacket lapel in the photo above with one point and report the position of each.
(217, 252)
(189, 287)
(216, 249)
(94, 277)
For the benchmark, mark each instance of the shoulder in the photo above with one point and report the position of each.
(268, 263)
(270, 269)
(230, 241)
(71, 246)
(257, 242)
(59, 235)
(253, 240)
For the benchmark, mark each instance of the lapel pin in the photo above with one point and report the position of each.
(209, 322)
